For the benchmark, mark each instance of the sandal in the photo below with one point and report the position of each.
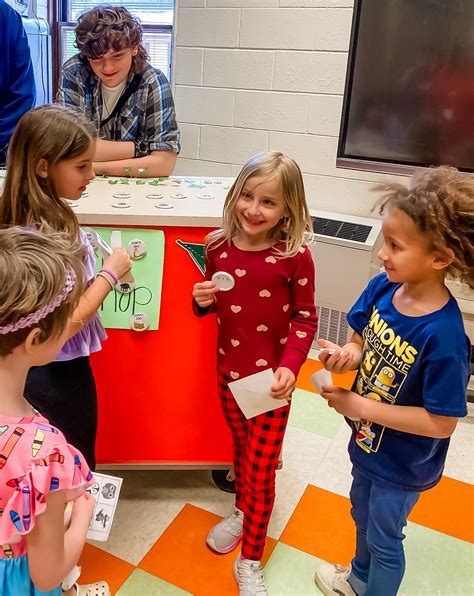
(96, 589)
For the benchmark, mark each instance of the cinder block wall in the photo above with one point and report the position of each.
(251, 75)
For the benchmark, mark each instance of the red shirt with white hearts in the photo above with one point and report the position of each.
(268, 319)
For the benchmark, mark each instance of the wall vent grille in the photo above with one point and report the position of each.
(341, 229)
(333, 325)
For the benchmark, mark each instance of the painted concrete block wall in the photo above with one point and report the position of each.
(251, 75)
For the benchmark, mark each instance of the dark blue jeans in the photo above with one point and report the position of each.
(380, 514)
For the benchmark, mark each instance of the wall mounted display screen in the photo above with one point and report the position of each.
(409, 96)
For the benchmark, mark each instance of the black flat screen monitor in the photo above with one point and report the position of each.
(409, 95)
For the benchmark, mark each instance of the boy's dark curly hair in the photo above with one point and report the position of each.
(440, 202)
(110, 27)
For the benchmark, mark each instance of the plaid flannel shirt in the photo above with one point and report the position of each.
(147, 118)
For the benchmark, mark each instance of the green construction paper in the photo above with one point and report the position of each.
(117, 308)
(197, 252)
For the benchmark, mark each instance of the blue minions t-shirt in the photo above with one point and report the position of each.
(406, 361)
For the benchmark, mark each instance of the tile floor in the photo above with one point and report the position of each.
(157, 543)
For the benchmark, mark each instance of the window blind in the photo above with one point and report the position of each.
(157, 12)
(156, 43)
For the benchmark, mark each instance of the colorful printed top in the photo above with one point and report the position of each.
(268, 319)
(35, 459)
(147, 118)
(88, 339)
(406, 361)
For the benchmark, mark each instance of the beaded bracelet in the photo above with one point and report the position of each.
(111, 273)
(104, 276)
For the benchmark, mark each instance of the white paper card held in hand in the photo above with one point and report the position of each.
(324, 377)
(320, 378)
(252, 393)
(106, 490)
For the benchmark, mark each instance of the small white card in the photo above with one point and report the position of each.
(252, 393)
(320, 378)
(324, 377)
(106, 490)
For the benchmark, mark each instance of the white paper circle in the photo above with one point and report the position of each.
(223, 280)
(136, 249)
(139, 322)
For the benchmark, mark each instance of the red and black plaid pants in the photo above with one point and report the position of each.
(257, 444)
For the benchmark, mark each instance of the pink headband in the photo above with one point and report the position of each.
(35, 317)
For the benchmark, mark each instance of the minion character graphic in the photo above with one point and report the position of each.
(385, 379)
(368, 363)
(365, 435)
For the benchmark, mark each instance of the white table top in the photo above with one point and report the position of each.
(190, 201)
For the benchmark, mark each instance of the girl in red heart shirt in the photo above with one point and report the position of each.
(266, 320)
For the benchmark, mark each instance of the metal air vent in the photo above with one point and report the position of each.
(341, 229)
(332, 326)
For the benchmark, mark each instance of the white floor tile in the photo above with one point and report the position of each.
(302, 455)
(460, 460)
(149, 502)
(334, 472)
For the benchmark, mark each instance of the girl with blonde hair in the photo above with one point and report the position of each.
(266, 319)
(41, 283)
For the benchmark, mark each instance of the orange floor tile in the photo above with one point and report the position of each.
(98, 565)
(311, 366)
(447, 508)
(181, 557)
(321, 525)
(308, 368)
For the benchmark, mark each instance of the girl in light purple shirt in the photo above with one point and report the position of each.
(49, 160)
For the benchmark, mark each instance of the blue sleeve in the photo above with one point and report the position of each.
(359, 314)
(445, 379)
(18, 87)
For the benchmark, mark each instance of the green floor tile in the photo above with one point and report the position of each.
(310, 412)
(141, 583)
(437, 564)
(291, 571)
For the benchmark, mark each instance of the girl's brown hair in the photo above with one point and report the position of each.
(440, 202)
(33, 268)
(297, 226)
(107, 28)
(53, 133)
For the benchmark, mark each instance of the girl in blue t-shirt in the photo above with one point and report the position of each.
(410, 350)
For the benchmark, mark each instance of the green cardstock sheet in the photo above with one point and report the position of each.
(117, 309)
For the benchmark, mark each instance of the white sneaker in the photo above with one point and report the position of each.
(333, 579)
(226, 535)
(249, 576)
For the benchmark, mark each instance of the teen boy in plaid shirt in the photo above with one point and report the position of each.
(111, 81)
